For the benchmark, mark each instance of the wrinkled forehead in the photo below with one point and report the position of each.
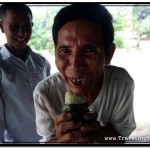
(78, 23)
(81, 27)
(80, 31)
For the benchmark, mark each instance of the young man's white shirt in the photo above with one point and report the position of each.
(17, 82)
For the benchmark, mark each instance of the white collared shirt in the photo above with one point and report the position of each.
(17, 82)
(114, 104)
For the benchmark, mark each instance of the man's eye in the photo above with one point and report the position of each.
(14, 27)
(64, 50)
(27, 28)
(90, 50)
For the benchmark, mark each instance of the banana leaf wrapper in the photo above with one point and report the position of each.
(77, 110)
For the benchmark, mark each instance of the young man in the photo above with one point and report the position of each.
(20, 70)
(83, 37)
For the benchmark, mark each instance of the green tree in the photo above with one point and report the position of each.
(42, 29)
(39, 36)
(141, 19)
(119, 13)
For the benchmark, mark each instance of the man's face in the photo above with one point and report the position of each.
(17, 27)
(80, 55)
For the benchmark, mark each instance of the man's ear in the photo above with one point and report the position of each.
(110, 54)
(1, 27)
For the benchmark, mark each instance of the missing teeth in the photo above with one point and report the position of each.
(78, 81)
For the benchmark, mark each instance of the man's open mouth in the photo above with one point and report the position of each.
(21, 41)
(78, 81)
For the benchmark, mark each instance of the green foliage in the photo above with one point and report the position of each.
(42, 29)
(119, 41)
(43, 19)
(141, 11)
(141, 17)
(119, 23)
(39, 38)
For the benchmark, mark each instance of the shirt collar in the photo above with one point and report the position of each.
(7, 54)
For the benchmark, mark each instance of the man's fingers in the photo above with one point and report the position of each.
(90, 116)
(72, 136)
(62, 117)
(91, 127)
(65, 127)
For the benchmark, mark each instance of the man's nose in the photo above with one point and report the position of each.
(76, 61)
(21, 31)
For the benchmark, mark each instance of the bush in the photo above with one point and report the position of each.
(119, 41)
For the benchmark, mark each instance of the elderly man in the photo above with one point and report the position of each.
(83, 36)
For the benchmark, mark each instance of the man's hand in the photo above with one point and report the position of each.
(89, 131)
(67, 129)
(90, 128)
(95, 133)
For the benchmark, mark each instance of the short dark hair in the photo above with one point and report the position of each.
(17, 6)
(91, 12)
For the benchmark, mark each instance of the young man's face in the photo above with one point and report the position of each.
(80, 55)
(17, 27)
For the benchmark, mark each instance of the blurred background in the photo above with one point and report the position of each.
(132, 39)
